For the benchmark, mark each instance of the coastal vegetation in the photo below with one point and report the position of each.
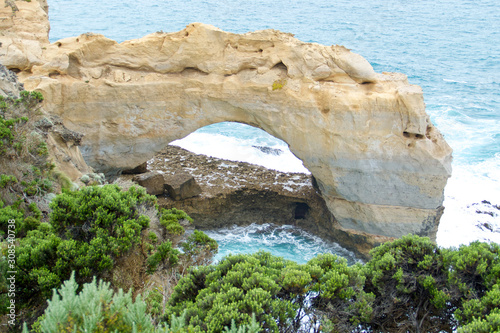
(105, 259)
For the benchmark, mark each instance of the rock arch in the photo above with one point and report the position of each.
(379, 162)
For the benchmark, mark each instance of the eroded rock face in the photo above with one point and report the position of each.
(380, 164)
(24, 31)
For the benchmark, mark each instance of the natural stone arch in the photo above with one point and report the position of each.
(380, 164)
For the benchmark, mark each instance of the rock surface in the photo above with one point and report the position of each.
(380, 164)
(152, 181)
(181, 185)
(143, 168)
(61, 142)
(24, 31)
(9, 85)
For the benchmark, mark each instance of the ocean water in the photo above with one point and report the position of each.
(285, 241)
(451, 48)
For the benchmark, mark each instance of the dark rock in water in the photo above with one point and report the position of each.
(486, 226)
(486, 207)
(152, 181)
(490, 221)
(143, 168)
(181, 185)
(270, 151)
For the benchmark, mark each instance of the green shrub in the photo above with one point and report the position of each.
(4, 286)
(106, 210)
(8, 213)
(408, 277)
(7, 180)
(164, 254)
(97, 308)
(169, 218)
(490, 323)
(154, 302)
(474, 273)
(339, 298)
(199, 249)
(89, 229)
(237, 287)
(152, 237)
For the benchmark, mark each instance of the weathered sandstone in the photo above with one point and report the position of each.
(24, 31)
(380, 164)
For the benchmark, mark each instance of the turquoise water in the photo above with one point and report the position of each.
(451, 48)
(285, 241)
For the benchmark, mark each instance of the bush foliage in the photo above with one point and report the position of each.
(97, 308)
(409, 285)
(88, 230)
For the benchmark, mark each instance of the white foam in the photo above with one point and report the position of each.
(454, 81)
(464, 193)
(235, 149)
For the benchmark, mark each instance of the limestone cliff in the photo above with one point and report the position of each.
(380, 164)
(62, 143)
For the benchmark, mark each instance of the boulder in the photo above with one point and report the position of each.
(152, 181)
(142, 168)
(181, 185)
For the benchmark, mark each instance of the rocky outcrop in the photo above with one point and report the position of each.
(242, 193)
(9, 85)
(62, 142)
(380, 164)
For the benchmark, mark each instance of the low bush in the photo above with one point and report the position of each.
(408, 278)
(97, 308)
(89, 229)
(170, 218)
(235, 289)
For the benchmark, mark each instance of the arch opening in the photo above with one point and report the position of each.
(245, 143)
(250, 180)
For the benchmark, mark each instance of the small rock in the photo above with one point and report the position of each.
(143, 168)
(181, 186)
(269, 150)
(152, 181)
(44, 124)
